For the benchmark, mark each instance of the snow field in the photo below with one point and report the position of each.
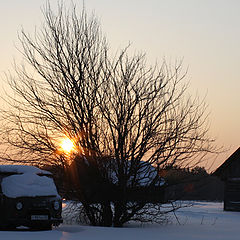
(204, 220)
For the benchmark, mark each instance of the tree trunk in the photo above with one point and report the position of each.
(119, 209)
(107, 216)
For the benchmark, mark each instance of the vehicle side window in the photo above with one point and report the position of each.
(1, 177)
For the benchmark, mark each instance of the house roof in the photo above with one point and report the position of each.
(234, 157)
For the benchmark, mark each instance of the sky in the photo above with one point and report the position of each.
(204, 33)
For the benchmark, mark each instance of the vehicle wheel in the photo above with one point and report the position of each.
(6, 227)
(47, 227)
(42, 227)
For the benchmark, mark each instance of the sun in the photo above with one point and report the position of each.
(67, 145)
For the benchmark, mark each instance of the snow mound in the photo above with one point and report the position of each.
(144, 174)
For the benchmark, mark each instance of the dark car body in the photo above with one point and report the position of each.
(39, 212)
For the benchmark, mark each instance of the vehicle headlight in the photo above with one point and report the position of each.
(56, 205)
(19, 205)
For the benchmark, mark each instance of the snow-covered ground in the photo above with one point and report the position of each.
(204, 220)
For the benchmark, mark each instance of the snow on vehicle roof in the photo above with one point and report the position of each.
(28, 185)
(22, 169)
(26, 182)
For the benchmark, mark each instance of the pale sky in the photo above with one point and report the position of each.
(205, 33)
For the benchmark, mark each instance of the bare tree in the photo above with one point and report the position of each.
(123, 116)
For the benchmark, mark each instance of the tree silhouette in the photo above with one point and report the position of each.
(122, 115)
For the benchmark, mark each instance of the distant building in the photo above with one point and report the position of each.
(100, 183)
(229, 172)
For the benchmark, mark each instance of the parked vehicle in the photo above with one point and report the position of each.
(28, 197)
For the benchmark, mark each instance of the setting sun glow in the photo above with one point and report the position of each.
(67, 145)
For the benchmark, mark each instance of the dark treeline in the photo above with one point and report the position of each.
(192, 184)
